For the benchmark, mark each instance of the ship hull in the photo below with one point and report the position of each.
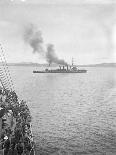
(78, 71)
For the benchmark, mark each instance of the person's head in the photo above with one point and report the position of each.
(6, 137)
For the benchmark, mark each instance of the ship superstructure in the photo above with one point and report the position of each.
(63, 69)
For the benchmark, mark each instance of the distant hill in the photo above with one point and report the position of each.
(100, 65)
(30, 64)
(24, 64)
(27, 64)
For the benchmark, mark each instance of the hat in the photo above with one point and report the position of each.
(6, 137)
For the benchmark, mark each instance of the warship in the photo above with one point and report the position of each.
(63, 69)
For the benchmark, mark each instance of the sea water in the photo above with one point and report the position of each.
(72, 114)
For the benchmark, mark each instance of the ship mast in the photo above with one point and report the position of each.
(72, 61)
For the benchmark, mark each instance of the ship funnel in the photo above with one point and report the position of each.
(60, 67)
(67, 67)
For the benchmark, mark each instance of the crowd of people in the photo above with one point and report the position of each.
(16, 139)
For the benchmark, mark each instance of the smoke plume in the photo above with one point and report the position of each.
(33, 37)
(52, 57)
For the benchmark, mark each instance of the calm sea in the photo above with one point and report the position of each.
(73, 114)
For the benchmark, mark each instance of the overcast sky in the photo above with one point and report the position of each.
(83, 29)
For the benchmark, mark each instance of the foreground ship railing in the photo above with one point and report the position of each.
(16, 136)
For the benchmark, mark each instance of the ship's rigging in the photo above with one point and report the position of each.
(5, 76)
(7, 84)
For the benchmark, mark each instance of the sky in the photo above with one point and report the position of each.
(82, 29)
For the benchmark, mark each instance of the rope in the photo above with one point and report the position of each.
(8, 84)
(4, 67)
(7, 68)
(7, 78)
(6, 75)
(32, 138)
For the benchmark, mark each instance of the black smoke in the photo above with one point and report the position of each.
(33, 37)
(52, 57)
